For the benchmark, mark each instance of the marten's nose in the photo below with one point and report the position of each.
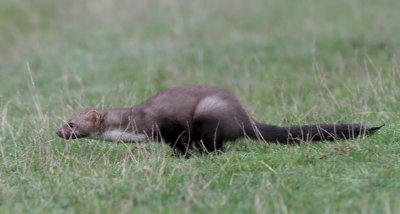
(59, 133)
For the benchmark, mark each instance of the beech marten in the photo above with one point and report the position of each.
(190, 117)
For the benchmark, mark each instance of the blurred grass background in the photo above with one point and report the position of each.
(288, 62)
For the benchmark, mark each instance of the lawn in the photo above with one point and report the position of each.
(288, 62)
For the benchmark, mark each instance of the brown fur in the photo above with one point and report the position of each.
(193, 117)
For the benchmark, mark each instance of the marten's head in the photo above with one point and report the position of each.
(81, 124)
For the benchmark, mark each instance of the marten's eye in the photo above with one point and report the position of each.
(71, 125)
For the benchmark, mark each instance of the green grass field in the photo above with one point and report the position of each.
(288, 62)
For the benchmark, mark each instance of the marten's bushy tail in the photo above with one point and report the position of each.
(309, 133)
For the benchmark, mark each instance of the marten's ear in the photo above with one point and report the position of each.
(94, 117)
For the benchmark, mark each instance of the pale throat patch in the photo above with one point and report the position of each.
(122, 136)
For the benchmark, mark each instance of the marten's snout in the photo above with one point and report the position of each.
(65, 132)
(61, 133)
(58, 132)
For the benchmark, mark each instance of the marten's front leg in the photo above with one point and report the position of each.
(182, 146)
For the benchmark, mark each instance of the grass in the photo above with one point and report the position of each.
(288, 62)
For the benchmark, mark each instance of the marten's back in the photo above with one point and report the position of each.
(186, 103)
